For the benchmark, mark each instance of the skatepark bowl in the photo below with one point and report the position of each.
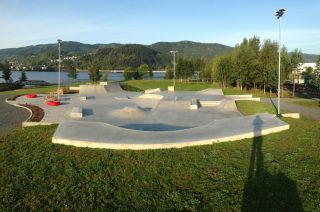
(105, 116)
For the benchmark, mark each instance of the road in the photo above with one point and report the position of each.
(287, 104)
(11, 117)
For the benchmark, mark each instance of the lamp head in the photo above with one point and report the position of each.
(280, 13)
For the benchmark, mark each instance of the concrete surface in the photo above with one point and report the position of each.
(110, 114)
(101, 135)
(286, 103)
(11, 117)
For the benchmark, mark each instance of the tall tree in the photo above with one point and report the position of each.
(150, 73)
(72, 72)
(285, 67)
(268, 59)
(6, 72)
(127, 74)
(296, 58)
(23, 76)
(142, 70)
(94, 73)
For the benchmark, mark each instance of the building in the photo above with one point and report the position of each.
(302, 67)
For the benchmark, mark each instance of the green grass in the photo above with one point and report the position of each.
(312, 104)
(278, 172)
(255, 93)
(141, 85)
(40, 89)
(247, 107)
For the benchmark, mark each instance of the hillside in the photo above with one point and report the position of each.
(114, 55)
(111, 55)
(192, 49)
(128, 55)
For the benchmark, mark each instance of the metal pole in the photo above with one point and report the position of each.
(279, 89)
(174, 68)
(59, 72)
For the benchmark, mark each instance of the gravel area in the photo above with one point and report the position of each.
(10, 116)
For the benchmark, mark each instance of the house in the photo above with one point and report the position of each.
(302, 67)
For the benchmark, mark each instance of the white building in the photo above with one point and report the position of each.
(302, 67)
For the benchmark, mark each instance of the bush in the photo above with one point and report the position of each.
(9, 86)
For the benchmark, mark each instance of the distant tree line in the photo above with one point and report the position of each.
(253, 64)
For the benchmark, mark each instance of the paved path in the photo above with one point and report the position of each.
(287, 103)
(10, 116)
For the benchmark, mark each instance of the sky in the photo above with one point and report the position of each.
(31, 22)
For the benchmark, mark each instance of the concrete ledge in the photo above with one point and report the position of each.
(291, 115)
(248, 99)
(171, 88)
(83, 97)
(240, 96)
(30, 123)
(76, 112)
(209, 103)
(102, 135)
(194, 105)
(151, 96)
(72, 88)
(103, 83)
(155, 90)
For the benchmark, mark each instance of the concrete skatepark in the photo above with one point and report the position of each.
(105, 116)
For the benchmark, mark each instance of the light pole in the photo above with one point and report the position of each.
(174, 66)
(279, 14)
(59, 44)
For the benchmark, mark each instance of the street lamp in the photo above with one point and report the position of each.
(59, 44)
(279, 14)
(174, 66)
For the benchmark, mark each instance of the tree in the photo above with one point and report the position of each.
(296, 58)
(23, 76)
(150, 73)
(269, 59)
(222, 69)
(105, 76)
(94, 73)
(127, 74)
(6, 72)
(141, 71)
(317, 71)
(72, 72)
(308, 76)
(285, 67)
(169, 73)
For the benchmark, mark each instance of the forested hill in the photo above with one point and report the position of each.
(114, 56)
(193, 49)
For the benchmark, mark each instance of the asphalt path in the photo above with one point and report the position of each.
(287, 103)
(11, 117)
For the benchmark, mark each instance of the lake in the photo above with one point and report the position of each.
(52, 77)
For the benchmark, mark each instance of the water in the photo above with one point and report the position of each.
(52, 77)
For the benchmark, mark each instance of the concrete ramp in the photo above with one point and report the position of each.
(102, 135)
(100, 89)
(92, 89)
(113, 87)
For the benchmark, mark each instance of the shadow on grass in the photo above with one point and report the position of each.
(264, 191)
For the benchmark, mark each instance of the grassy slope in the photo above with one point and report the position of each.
(284, 174)
(140, 85)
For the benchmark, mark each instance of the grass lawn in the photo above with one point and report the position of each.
(312, 104)
(255, 93)
(247, 107)
(278, 172)
(141, 85)
(40, 89)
